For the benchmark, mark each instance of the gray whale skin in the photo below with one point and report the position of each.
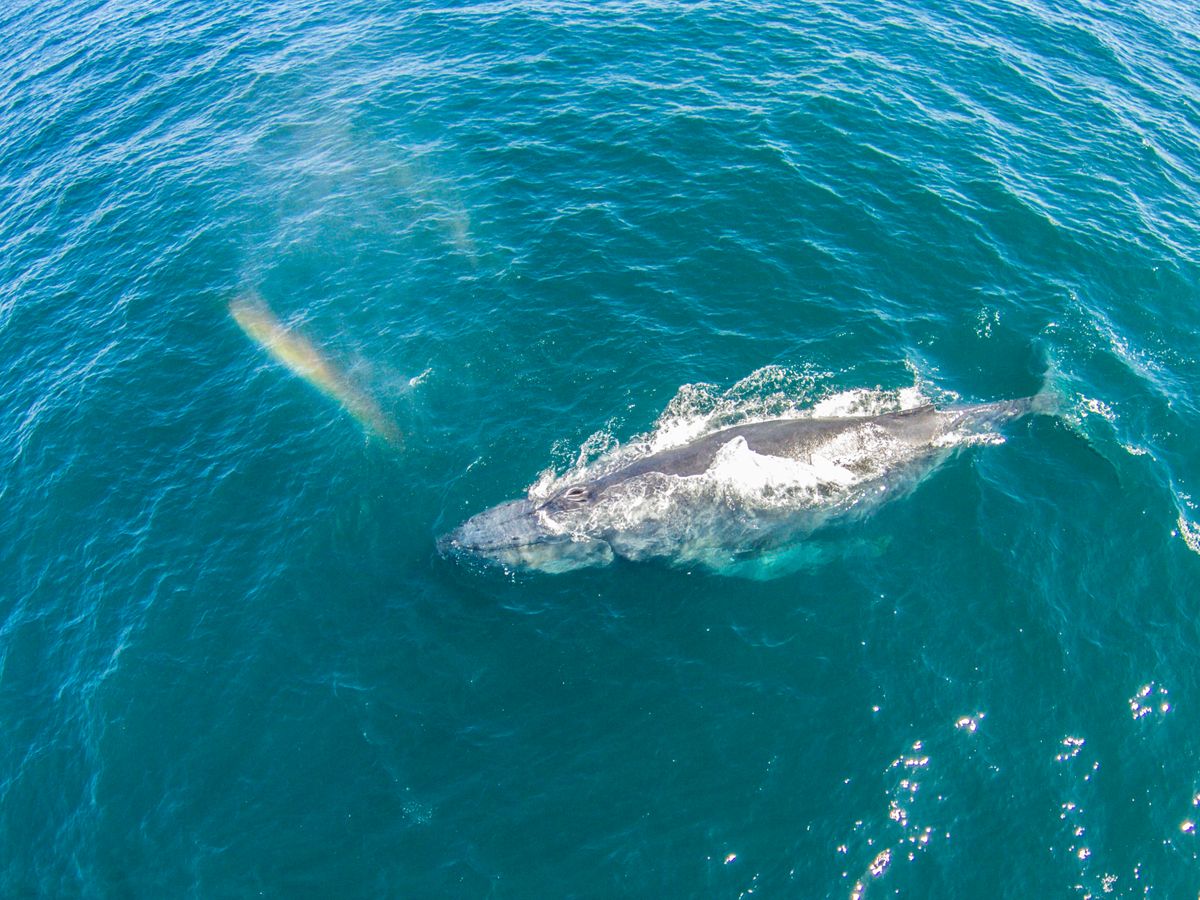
(679, 504)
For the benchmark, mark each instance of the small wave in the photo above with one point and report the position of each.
(1186, 526)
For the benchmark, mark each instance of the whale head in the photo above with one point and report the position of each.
(529, 535)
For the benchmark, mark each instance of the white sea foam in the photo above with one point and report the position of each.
(1185, 525)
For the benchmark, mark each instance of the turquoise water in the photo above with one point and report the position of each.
(231, 662)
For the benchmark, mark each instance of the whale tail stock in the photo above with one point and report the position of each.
(1048, 401)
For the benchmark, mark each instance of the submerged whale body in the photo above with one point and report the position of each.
(738, 494)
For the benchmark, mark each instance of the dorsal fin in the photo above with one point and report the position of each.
(925, 407)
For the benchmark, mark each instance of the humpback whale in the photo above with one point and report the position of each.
(733, 494)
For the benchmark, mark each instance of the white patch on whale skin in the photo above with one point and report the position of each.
(751, 475)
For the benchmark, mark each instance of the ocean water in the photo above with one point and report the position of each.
(231, 661)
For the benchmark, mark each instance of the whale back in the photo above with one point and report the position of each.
(790, 438)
